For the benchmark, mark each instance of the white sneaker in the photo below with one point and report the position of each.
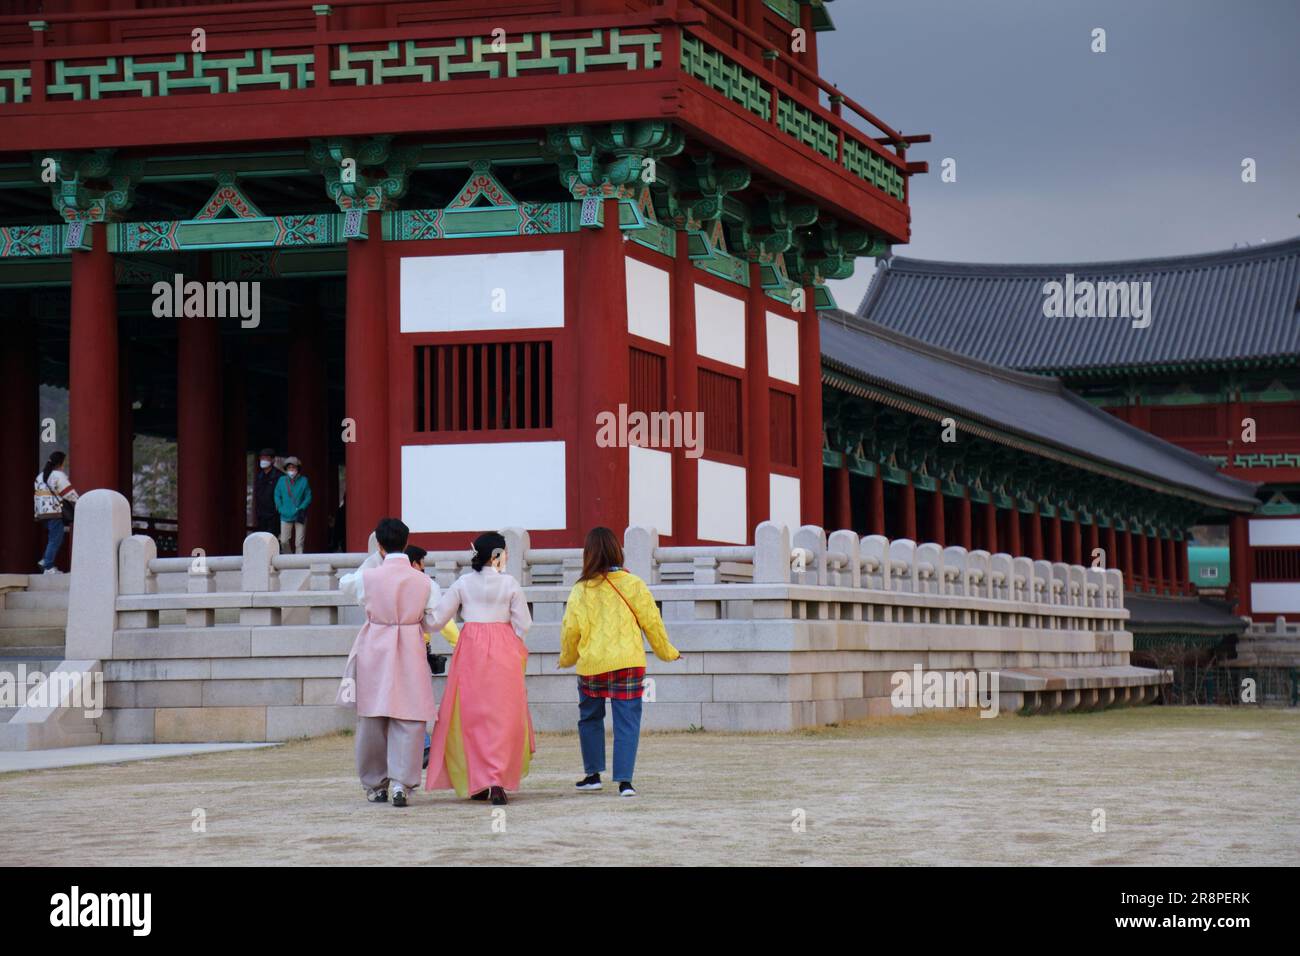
(52, 571)
(399, 794)
(377, 794)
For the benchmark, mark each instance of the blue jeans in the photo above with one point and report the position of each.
(54, 526)
(591, 734)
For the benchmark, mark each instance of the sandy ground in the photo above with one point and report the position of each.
(1178, 786)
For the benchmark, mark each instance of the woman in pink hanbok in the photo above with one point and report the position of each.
(483, 741)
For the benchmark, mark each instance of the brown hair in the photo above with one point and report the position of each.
(600, 553)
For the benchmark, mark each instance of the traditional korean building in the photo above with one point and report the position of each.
(1213, 366)
(435, 241)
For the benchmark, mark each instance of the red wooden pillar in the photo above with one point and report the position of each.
(602, 479)
(93, 396)
(1171, 563)
(1014, 547)
(758, 415)
(1036, 534)
(200, 438)
(877, 524)
(966, 532)
(235, 458)
(1130, 569)
(990, 527)
(1112, 548)
(307, 429)
(938, 533)
(1184, 574)
(1143, 575)
(1241, 561)
(843, 501)
(907, 500)
(809, 432)
(365, 390)
(20, 543)
(125, 422)
(686, 383)
(1054, 541)
(1157, 551)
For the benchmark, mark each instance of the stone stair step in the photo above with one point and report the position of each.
(46, 637)
(33, 617)
(48, 582)
(6, 713)
(35, 600)
(40, 652)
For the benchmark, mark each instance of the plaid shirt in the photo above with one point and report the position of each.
(619, 685)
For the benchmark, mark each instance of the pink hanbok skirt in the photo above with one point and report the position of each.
(484, 734)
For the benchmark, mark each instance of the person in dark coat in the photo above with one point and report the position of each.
(264, 481)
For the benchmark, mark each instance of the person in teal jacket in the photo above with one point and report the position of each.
(292, 499)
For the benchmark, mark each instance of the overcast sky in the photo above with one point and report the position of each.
(1063, 154)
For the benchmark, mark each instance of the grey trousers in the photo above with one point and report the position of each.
(389, 749)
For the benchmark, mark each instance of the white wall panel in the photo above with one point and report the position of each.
(783, 501)
(650, 489)
(782, 348)
(1275, 598)
(721, 515)
(464, 292)
(484, 486)
(648, 298)
(719, 326)
(1275, 533)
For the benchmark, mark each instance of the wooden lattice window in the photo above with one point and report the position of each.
(483, 387)
(1277, 564)
(720, 403)
(648, 388)
(782, 406)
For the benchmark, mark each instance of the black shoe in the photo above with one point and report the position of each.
(590, 782)
(498, 796)
(425, 765)
(481, 795)
(626, 789)
(399, 796)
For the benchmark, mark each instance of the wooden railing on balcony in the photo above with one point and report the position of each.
(278, 46)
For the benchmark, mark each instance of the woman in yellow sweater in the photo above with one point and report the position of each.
(607, 611)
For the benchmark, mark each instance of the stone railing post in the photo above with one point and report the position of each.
(848, 544)
(257, 575)
(639, 545)
(771, 553)
(133, 577)
(103, 523)
(517, 545)
(813, 539)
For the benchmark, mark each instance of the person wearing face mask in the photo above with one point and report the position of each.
(292, 499)
(264, 481)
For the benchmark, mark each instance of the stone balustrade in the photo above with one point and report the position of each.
(799, 628)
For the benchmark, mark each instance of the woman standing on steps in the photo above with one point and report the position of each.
(483, 741)
(606, 612)
(53, 500)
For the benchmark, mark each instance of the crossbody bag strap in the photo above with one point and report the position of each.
(625, 601)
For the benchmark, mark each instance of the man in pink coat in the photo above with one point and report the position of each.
(387, 675)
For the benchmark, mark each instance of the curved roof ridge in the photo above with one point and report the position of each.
(1046, 383)
(1216, 257)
